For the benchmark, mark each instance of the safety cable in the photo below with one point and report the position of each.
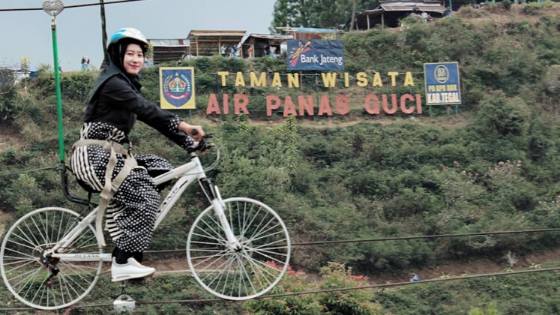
(373, 286)
(25, 171)
(395, 238)
(344, 289)
(69, 6)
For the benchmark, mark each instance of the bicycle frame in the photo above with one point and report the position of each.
(185, 174)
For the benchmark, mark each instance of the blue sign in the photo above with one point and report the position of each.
(177, 87)
(442, 82)
(317, 55)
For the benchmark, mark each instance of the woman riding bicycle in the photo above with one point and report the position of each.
(102, 162)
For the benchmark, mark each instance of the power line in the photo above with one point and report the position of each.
(69, 6)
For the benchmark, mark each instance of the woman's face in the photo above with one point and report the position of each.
(133, 59)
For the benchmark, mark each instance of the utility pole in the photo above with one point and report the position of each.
(105, 62)
(353, 20)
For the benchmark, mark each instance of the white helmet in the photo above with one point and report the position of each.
(130, 33)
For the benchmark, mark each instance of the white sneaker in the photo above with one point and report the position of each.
(131, 270)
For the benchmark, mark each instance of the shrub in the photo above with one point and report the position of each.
(533, 8)
(502, 116)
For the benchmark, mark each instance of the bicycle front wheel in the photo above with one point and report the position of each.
(247, 271)
(37, 279)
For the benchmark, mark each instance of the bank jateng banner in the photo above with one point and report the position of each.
(316, 55)
(177, 87)
(442, 83)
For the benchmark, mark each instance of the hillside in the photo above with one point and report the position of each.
(494, 166)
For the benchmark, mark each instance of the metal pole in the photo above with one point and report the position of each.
(58, 93)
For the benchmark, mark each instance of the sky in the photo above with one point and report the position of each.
(28, 33)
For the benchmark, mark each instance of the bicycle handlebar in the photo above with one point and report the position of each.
(203, 146)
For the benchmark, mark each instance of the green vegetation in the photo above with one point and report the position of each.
(498, 168)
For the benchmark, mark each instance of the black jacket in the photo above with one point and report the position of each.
(116, 99)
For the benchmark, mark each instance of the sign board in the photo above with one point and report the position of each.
(176, 86)
(315, 55)
(442, 83)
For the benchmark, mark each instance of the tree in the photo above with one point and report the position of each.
(318, 13)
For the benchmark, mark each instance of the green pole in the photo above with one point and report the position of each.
(58, 93)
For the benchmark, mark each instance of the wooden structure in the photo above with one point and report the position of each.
(307, 33)
(165, 50)
(389, 12)
(260, 45)
(213, 42)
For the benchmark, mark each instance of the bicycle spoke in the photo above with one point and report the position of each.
(246, 275)
(19, 267)
(39, 230)
(208, 258)
(22, 262)
(283, 240)
(266, 268)
(216, 224)
(255, 272)
(205, 250)
(251, 222)
(269, 257)
(259, 225)
(22, 245)
(259, 235)
(18, 260)
(24, 239)
(18, 252)
(207, 236)
(37, 243)
(245, 272)
(270, 235)
(220, 273)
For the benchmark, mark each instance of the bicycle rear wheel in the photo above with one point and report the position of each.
(41, 281)
(245, 272)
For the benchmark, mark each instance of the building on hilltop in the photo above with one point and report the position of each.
(213, 42)
(165, 50)
(308, 33)
(260, 45)
(390, 12)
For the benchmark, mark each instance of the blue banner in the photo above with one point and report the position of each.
(442, 82)
(177, 88)
(315, 55)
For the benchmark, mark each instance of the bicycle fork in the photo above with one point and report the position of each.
(213, 194)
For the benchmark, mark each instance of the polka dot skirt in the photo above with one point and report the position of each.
(132, 212)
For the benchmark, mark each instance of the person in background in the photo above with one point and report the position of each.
(102, 162)
(415, 278)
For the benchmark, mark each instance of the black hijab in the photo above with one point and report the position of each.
(116, 53)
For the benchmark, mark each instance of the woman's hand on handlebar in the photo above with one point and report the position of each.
(195, 131)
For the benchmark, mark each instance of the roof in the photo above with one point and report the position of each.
(412, 5)
(265, 36)
(308, 30)
(169, 42)
(216, 33)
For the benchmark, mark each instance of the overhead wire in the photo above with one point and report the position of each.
(393, 238)
(69, 6)
(333, 290)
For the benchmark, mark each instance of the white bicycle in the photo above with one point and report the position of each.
(237, 248)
